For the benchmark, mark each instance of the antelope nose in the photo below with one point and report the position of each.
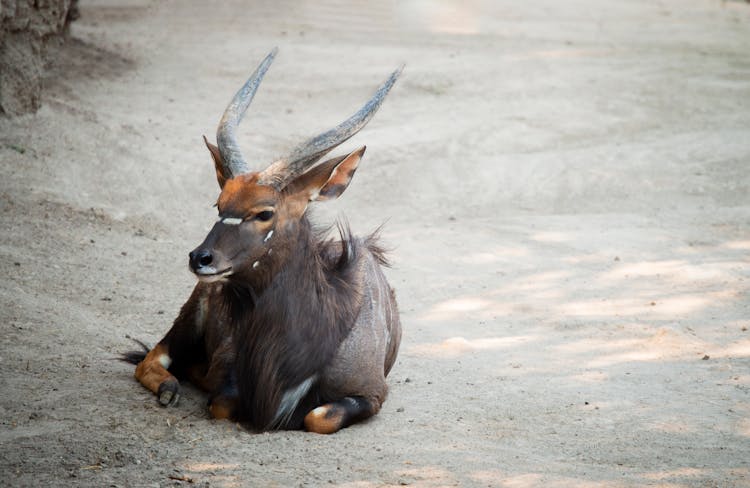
(200, 259)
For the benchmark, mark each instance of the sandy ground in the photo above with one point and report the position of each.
(566, 188)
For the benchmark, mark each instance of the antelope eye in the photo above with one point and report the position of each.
(264, 216)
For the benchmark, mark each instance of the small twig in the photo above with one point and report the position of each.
(16, 148)
(180, 478)
(194, 412)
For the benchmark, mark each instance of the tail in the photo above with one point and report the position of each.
(135, 357)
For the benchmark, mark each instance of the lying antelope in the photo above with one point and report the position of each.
(284, 329)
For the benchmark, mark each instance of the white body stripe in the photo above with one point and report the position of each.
(291, 398)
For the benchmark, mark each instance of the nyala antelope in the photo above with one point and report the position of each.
(284, 329)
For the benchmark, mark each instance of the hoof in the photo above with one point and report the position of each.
(220, 411)
(222, 407)
(325, 419)
(331, 417)
(169, 393)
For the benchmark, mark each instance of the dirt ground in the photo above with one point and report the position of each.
(566, 191)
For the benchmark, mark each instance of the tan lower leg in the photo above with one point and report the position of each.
(152, 371)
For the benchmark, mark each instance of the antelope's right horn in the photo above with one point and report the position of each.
(226, 139)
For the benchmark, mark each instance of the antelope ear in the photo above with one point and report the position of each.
(329, 179)
(218, 163)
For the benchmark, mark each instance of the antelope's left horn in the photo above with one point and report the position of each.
(306, 154)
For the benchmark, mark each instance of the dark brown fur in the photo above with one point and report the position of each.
(295, 327)
(284, 329)
(273, 333)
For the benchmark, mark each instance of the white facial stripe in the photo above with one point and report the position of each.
(256, 264)
(268, 236)
(230, 221)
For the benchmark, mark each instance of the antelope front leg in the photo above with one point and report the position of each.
(153, 373)
(182, 348)
(221, 382)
